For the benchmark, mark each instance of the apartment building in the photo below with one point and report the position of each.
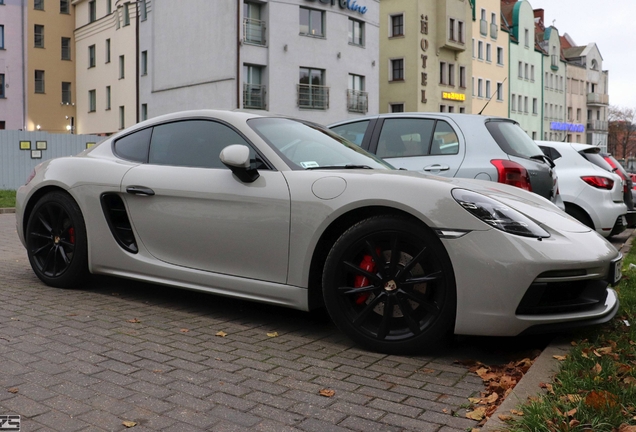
(12, 58)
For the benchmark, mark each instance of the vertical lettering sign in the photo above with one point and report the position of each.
(424, 46)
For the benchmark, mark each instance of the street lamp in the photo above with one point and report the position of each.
(71, 126)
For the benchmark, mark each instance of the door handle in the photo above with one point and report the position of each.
(140, 190)
(436, 167)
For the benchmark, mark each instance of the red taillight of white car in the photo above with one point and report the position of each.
(512, 173)
(599, 182)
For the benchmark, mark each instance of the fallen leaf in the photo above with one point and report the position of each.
(114, 294)
(490, 399)
(601, 399)
(129, 424)
(626, 428)
(327, 392)
(504, 417)
(474, 400)
(571, 412)
(574, 398)
(605, 350)
(597, 368)
(574, 423)
(629, 380)
(573, 343)
(272, 334)
(560, 357)
(477, 414)
(184, 330)
(13, 390)
(445, 411)
(221, 333)
(134, 321)
(428, 371)
(516, 412)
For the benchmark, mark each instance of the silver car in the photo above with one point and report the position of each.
(286, 212)
(455, 145)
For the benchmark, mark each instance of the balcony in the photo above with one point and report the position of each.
(596, 99)
(357, 101)
(493, 30)
(312, 96)
(254, 96)
(253, 31)
(597, 125)
(483, 27)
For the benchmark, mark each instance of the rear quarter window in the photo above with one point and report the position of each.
(134, 147)
(352, 132)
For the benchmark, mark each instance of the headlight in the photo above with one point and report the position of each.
(497, 214)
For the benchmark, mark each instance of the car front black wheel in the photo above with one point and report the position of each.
(56, 241)
(388, 283)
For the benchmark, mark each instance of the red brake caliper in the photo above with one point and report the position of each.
(71, 235)
(367, 264)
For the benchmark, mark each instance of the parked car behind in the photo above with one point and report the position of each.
(455, 145)
(590, 194)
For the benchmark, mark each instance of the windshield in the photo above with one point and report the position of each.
(309, 146)
(512, 139)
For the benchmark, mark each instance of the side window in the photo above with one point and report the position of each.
(134, 147)
(193, 143)
(405, 137)
(353, 132)
(445, 141)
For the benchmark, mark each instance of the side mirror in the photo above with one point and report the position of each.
(237, 158)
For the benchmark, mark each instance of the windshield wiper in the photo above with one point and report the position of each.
(350, 166)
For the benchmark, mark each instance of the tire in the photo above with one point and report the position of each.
(408, 268)
(56, 241)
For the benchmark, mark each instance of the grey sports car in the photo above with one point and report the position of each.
(286, 212)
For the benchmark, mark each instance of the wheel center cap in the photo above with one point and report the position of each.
(56, 239)
(390, 285)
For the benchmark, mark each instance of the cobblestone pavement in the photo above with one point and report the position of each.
(118, 351)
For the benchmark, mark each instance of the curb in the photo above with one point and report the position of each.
(542, 371)
(7, 210)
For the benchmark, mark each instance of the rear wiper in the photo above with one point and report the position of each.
(543, 158)
(350, 166)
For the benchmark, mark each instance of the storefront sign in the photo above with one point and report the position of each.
(345, 4)
(424, 46)
(454, 96)
(570, 127)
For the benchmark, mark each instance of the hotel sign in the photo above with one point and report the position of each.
(454, 96)
(570, 127)
(345, 4)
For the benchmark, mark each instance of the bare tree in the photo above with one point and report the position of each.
(621, 138)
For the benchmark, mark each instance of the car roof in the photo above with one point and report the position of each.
(456, 117)
(562, 145)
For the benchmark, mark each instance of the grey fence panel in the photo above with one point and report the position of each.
(21, 151)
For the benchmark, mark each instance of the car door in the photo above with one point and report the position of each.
(189, 210)
(428, 145)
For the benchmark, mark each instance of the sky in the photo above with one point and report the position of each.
(608, 23)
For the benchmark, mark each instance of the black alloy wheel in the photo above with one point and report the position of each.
(388, 283)
(56, 241)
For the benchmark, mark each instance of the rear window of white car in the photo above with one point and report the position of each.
(512, 139)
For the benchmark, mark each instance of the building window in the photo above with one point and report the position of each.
(144, 112)
(64, 7)
(1, 36)
(493, 26)
(443, 78)
(109, 6)
(144, 62)
(397, 26)
(253, 25)
(500, 55)
(525, 104)
(487, 89)
(312, 22)
(451, 29)
(126, 14)
(356, 32)
(122, 119)
(312, 92)
(253, 87)
(480, 87)
(513, 103)
(357, 98)
(488, 52)
(107, 50)
(2, 96)
(91, 56)
(480, 50)
(500, 91)
(38, 33)
(520, 103)
(121, 67)
(38, 4)
(520, 69)
(483, 24)
(66, 93)
(92, 11)
(526, 38)
(525, 71)
(462, 76)
(473, 47)
(397, 70)
(461, 33)
(143, 11)
(472, 85)
(92, 101)
(107, 98)
(535, 106)
(451, 74)
(39, 81)
(66, 48)
(396, 108)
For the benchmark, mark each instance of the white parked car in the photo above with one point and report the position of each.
(590, 194)
(287, 212)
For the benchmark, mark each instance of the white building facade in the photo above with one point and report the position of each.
(311, 59)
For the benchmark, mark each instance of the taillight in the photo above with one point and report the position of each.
(512, 173)
(598, 182)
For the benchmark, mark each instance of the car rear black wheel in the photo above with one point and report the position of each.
(388, 284)
(579, 215)
(56, 241)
